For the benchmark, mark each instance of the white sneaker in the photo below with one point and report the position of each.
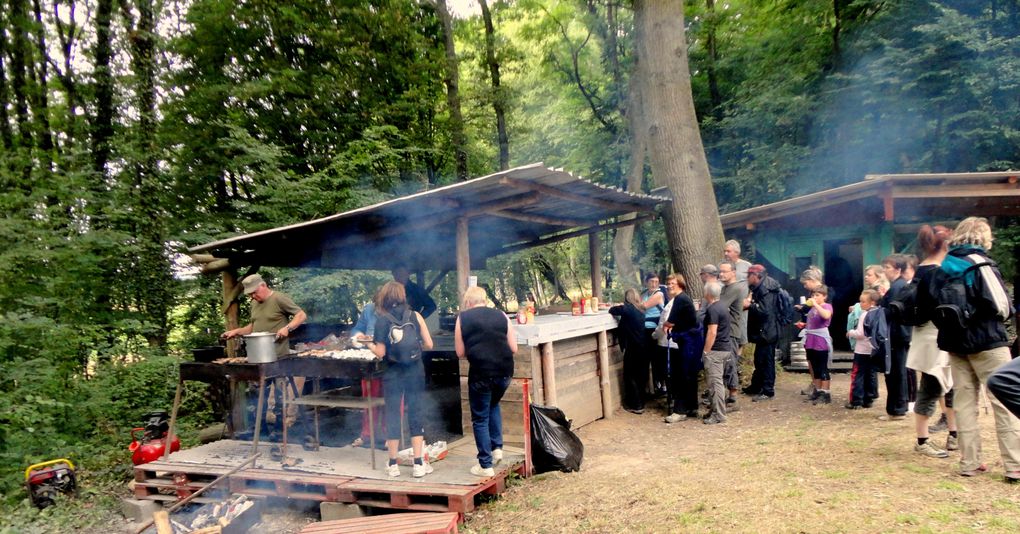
(480, 471)
(393, 470)
(419, 471)
(497, 456)
(675, 418)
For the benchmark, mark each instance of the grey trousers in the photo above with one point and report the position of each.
(715, 365)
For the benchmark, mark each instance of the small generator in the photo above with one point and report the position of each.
(45, 480)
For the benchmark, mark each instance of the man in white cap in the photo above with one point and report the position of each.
(271, 311)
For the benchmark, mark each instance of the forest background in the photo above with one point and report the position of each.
(133, 129)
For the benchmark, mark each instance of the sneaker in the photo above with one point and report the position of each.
(497, 456)
(393, 470)
(940, 426)
(477, 471)
(951, 443)
(824, 397)
(636, 411)
(675, 418)
(761, 398)
(420, 470)
(1011, 477)
(852, 406)
(931, 451)
(713, 420)
(974, 472)
(810, 390)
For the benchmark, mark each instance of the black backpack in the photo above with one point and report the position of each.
(784, 307)
(903, 307)
(956, 299)
(403, 341)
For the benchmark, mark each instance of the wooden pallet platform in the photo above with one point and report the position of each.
(450, 489)
(409, 523)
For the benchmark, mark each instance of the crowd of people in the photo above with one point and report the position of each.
(933, 326)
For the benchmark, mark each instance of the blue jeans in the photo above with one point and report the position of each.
(484, 395)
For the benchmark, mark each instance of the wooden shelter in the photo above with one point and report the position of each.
(847, 228)
(457, 226)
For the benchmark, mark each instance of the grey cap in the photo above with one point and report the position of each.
(710, 270)
(251, 283)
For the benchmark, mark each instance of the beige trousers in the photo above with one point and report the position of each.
(969, 372)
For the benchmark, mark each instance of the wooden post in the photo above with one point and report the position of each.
(230, 304)
(595, 257)
(549, 373)
(463, 257)
(607, 397)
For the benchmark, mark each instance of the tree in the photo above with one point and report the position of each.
(498, 100)
(676, 153)
(452, 80)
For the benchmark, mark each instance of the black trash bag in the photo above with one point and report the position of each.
(553, 446)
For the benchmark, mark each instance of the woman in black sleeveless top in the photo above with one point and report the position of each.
(485, 337)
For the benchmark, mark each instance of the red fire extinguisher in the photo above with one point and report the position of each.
(152, 443)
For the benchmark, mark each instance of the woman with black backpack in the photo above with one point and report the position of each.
(400, 337)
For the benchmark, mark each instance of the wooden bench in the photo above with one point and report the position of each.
(403, 523)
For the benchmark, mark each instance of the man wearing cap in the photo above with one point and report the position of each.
(271, 311)
(763, 330)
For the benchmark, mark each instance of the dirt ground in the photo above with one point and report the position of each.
(777, 466)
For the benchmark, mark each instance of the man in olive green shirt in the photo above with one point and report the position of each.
(271, 311)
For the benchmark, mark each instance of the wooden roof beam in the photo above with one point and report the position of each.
(541, 219)
(574, 197)
(575, 233)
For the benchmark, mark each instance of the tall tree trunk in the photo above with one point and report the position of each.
(452, 80)
(19, 79)
(623, 242)
(6, 134)
(836, 28)
(498, 99)
(102, 124)
(154, 299)
(40, 99)
(713, 56)
(693, 230)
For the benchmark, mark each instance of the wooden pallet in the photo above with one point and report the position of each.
(170, 481)
(422, 496)
(409, 523)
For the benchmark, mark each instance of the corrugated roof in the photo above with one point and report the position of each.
(507, 209)
(946, 195)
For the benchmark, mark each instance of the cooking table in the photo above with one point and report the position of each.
(286, 367)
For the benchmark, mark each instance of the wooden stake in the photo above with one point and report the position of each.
(607, 398)
(549, 373)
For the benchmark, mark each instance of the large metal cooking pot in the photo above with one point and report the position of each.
(261, 347)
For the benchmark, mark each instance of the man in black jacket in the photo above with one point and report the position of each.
(762, 330)
(896, 374)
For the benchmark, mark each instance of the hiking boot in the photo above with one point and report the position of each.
(422, 469)
(931, 451)
(939, 426)
(675, 418)
(393, 470)
(824, 397)
(497, 456)
(951, 443)
(731, 400)
(813, 396)
(479, 471)
(852, 406)
(761, 398)
(974, 472)
(810, 390)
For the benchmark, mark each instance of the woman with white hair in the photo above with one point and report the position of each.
(976, 341)
(485, 337)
